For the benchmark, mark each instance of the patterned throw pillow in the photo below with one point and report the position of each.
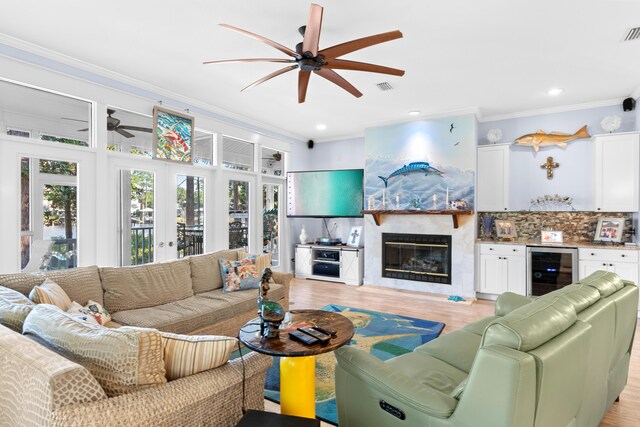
(123, 360)
(239, 275)
(49, 292)
(14, 308)
(186, 355)
(99, 312)
(81, 313)
(262, 261)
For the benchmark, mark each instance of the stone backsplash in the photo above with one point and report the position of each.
(577, 226)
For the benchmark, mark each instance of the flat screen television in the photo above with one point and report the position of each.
(322, 194)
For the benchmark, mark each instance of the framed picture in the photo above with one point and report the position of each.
(551, 236)
(609, 230)
(173, 135)
(505, 229)
(354, 236)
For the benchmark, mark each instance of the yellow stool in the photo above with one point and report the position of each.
(298, 386)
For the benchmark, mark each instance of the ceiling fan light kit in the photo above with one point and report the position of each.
(308, 57)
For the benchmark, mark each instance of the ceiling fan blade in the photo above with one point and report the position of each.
(270, 76)
(271, 43)
(353, 45)
(136, 128)
(303, 83)
(250, 60)
(343, 64)
(334, 77)
(124, 133)
(312, 31)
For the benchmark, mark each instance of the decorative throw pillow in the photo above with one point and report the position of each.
(99, 312)
(14, 308)
(81, 313)
(123, 360)
(186, 355)
(262, 261)
(239, 275)
(49, 292)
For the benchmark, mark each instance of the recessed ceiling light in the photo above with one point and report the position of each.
(555, 91)
(414, 113)
(321, 126)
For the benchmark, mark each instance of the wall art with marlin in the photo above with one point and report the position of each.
(425, 164)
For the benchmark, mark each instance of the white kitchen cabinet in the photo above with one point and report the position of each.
(502, 268)
(620, 261)
(492, 191)
(616, 172)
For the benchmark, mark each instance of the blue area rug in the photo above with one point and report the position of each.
(381, 334)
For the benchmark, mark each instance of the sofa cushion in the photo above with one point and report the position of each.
(605, 282)
(479, 326)
(457, 348)
(531, 325)
(186, 355)
(205, 270)
(179, 317)
(509, 301)
(428, 370)
(245, 300)
(579, 295)
(148, 285)
(48, 292)
(81, 284)
(123, 360)
(14, 308)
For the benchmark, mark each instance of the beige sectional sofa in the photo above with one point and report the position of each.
(184, 296)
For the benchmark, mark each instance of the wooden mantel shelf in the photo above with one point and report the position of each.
(377, 215)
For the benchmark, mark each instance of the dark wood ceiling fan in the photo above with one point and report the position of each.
(113, 124)
(309, 58)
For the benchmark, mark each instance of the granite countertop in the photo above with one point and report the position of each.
(566, 244)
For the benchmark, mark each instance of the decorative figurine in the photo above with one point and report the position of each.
(541, 139)
(271, 313)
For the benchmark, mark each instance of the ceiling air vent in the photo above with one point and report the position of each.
(384, 86)
(633, 34)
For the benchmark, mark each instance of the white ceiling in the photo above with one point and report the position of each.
(498, 55)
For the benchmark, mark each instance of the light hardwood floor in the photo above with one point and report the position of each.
(316, 294)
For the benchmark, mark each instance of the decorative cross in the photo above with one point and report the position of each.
(550, 165)
(354, 236)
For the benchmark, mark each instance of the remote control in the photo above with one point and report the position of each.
(325, 330)
(323, 338)
(303, 338)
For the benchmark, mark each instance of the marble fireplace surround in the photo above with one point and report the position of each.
(462, 256)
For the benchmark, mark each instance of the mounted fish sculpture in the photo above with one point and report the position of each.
(541, 139)
(415, 167)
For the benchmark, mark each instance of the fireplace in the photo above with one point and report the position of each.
(418, 257)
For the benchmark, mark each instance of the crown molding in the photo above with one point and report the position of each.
(552, 110)
(33, 54)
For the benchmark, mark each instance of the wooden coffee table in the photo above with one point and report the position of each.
(297, 363)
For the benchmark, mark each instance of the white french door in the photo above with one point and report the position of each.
(241, 220)
(161, 212)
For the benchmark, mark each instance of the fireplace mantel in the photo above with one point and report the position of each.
(378, 214)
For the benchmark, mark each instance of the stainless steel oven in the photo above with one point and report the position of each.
(550, 268)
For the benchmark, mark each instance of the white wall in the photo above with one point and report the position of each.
(574, 176)
(99, 168)
(343, 154)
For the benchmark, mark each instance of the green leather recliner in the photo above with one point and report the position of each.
(558, 360)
